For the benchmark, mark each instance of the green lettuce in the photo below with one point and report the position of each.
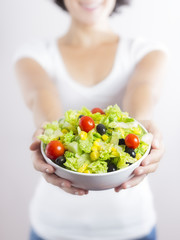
(78, 151)
(51, 133)
(84, 111)
(73, 147)
(143, 147)
(124, 159)
(86, 145)
(75, 162)
(98, 167)
(69, 137)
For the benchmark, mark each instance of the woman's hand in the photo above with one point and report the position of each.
(47, 170)
(151, 162)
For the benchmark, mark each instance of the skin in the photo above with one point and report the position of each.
(90, 35)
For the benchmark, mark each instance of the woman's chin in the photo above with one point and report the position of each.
(90, 21)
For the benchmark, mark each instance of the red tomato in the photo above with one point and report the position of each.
(54, 149)
(95, 110)
(132, 141)
(86, 123)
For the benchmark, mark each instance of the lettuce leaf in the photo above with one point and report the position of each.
(69, 137)
(142, 148)
(75, 162)
(86, 145)
(98, 167)
(124, 159)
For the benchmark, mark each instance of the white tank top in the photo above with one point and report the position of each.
(57, 215)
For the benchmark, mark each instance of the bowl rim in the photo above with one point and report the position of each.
(97, 174)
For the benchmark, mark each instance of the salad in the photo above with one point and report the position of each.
(95, 141)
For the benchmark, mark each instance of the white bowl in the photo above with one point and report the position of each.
(96, 181)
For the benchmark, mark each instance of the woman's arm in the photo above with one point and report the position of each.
(39, 93)
(41, 97)
(142, 93)
(145, 85)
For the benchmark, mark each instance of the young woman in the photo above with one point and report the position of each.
(94, 67)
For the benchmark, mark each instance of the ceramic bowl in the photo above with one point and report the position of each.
(96, 181)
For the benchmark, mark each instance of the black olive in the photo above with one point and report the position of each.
(112, 167)
(60, 160)
(122, 141)
(101, 129)
(129, 163)
(80, 116)
(130, 151)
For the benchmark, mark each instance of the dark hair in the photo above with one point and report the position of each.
(119, 3)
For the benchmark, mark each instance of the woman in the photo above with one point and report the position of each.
(94, 67)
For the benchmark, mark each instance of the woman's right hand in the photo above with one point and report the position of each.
(48, 171)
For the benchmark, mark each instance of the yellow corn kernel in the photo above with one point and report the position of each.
(83, 168)
(94, 148)
(65, 147)
(138, 156)
(113, 149)
(96, 143)
(105, 137)
(87, 171)
(64, 131)
(115, 153)
(99, 147)
(83, 135)
(137, 131)
(94, 155)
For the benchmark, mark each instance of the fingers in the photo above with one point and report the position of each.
(35, 145)
(157, 136)
(47, 170)
(64, 184)
(75, 191)
(36, 142)
(131, 183)
(39, 163)
(154, 156)
(48, 173)
(146, 170)
(57, 181)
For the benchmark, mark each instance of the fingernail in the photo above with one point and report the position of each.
(127, 186)
(156, 143)
(62, 184)
(76, 193)
(47, 170)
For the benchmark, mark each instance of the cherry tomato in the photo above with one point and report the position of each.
(132, 141)
(54, 149)
(86, 123)
(95, 110)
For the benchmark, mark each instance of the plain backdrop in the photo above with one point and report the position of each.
(22, 20)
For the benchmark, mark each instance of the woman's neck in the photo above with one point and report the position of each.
(81, 35)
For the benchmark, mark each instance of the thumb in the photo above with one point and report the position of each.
(36, 142)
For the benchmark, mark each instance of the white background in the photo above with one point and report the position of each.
(21, 20)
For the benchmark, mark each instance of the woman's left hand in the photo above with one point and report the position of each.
(151, 162)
